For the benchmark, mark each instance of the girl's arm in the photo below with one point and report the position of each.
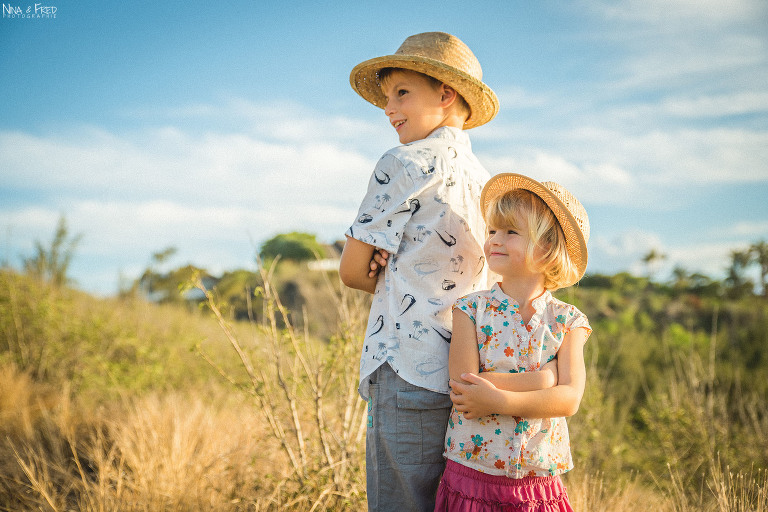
(360, 265)
(478, 397)
(545, 377)
(464, 357)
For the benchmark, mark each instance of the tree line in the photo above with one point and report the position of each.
(50, 265)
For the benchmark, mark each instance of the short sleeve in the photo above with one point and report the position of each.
(387, 206)
(468, 305)
(578, 319)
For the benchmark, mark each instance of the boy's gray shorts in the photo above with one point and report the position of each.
(404, 443)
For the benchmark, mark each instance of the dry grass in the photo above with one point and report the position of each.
(598, 493)
(171, 452)
(283, 428)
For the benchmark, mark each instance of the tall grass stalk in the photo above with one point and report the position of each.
(322, 442)
(741, 491)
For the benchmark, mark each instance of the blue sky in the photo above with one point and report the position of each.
(212, 126)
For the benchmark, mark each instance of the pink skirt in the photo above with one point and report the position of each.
(463, 489)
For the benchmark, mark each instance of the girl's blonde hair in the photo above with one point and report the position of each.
(521, 209)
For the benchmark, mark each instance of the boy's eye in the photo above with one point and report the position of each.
(401, 92)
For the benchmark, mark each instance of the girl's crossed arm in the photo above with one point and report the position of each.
(463, 358)
(476, 396)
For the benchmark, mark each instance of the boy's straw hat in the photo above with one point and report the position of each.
(567, 209)
(441, 56)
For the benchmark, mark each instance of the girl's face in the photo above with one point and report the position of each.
(505, 250)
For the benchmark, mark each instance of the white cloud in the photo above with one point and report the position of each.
(719, 105)
(693, 13)
(284, 121)
(167, 163)
(674, 157)
(751, 230)
(215, 195)
(626, 251)
(593, 183)
(517, 98)
(634, 243)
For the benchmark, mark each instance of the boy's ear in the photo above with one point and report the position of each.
(447, 95)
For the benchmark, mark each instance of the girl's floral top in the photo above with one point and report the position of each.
(513, 446)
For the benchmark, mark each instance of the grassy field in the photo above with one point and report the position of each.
(119, 404)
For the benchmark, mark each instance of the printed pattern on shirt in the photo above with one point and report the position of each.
(422, 206)
(511, 445)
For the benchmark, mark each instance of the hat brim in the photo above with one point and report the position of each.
(482, 101)
(576, 243)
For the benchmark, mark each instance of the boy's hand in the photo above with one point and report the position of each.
(378, 261)
(475, 396)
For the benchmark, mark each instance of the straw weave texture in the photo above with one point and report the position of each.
(441, 56)
(570, 213)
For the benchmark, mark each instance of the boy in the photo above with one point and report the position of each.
(417, 245)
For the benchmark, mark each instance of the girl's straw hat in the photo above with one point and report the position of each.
(441, 56)
(567, 209)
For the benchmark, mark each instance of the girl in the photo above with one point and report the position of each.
(506, 450)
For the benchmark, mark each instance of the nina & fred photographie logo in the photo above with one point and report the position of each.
(35, 11)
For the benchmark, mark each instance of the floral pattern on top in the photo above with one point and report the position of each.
(513, 446)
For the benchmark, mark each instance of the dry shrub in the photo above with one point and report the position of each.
(308, 394)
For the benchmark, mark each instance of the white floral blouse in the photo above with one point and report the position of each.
(513, 446)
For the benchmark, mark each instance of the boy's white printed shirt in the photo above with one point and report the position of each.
(423, 207)
(514, 446)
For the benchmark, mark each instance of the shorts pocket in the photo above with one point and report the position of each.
(422, 417)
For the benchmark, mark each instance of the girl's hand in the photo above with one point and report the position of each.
(475, 396)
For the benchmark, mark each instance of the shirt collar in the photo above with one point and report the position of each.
(450, 133)
(539, 303)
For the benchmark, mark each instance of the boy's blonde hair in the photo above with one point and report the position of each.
(520, 209)
(461, 104)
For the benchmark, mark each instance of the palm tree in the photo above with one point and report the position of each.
(51, 265)
(681, 278)
(737, 281)
(759, 253)
(651, 261)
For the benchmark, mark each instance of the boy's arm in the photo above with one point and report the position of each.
(478, 397)
(357, 265)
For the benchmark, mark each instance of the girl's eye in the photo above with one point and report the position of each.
(511, 232)
(491, 231)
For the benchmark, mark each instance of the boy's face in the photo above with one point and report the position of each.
(414, 105)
